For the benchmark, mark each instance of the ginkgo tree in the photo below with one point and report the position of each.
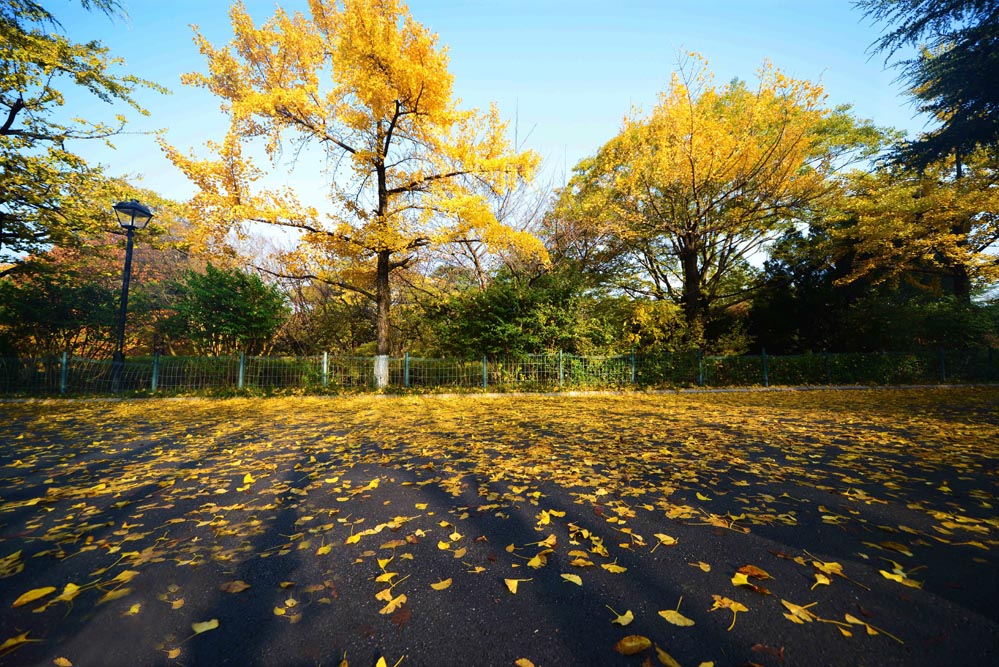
(369, 86)
(50, 195)
(938, 231)
(682, 197)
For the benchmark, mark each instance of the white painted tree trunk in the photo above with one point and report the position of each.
(381, 371)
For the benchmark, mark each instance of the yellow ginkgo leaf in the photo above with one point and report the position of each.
(511, 584)
(573, 578)
(133, 610)
(393, 604)
(460, 553)
(523, 662)
(237, 586)
(110, 596)
(248, 479)
(676, 618)
(205, 626)
(353, 539)
(701, 496)
(32, 595)
(722, 602)
(799, 614)
(386, 577)
(632, 644)
(173, 653)
(614, 568)
(623, 619)
(704, 567)
(443, 546)
(821, 580)
(665, 658)
(441, 585)
(62, 662)
(323, 550)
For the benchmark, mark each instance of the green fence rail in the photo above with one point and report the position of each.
(67, 375)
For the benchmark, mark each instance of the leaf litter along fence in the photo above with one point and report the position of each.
(327, 373)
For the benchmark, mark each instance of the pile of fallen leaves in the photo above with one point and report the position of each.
(701, 529)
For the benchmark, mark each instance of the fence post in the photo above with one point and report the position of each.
(561, 370)
(326, 369)
(405, 370)
(766, 374)
(485, 372)
(242, 369)
(156, 371)
(943, 366)
(632, 365)
(700, 368)
(63, 372)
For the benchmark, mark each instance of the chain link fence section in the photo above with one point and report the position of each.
(326, 373)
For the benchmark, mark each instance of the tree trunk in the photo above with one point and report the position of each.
(692, 299)
(383, 297)
(959, 271)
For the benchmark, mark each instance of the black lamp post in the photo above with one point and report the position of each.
(131, 216)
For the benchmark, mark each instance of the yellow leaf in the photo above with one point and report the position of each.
(701, 496)
(704, 567)
(443, 546)
(62, 662)
(538, 561)
(353, 539)
(323, 550)
(381, 663)
(676, 618)
(460, 553)
(248, 479)
(173, 653)
(237, 586)
(205, 626)
(665, 658)
(393, 604)
(523, 662)
(632, 644)
(386, 577)
(725, 603)
(614, 568)
(799, 614)
(665, 540)
(511, 584)
(114, 595)
(32, 595)
(624, 619)
(821, 580)
(125, 576)
(574, 578)
(421, 506)
(441, 585)
(133, 610)
(279, 611)
(16, 641)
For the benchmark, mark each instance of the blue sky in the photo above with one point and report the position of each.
(568, 71)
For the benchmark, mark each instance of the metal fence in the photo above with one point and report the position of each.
(326, 373)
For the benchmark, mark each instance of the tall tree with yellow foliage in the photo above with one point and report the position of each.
(368, 85)
(682, 197)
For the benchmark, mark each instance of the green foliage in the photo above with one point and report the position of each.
(511, 316)
(224, 311)
(48, 193)
(54, 312)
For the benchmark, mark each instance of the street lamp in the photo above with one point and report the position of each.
(131, 216)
